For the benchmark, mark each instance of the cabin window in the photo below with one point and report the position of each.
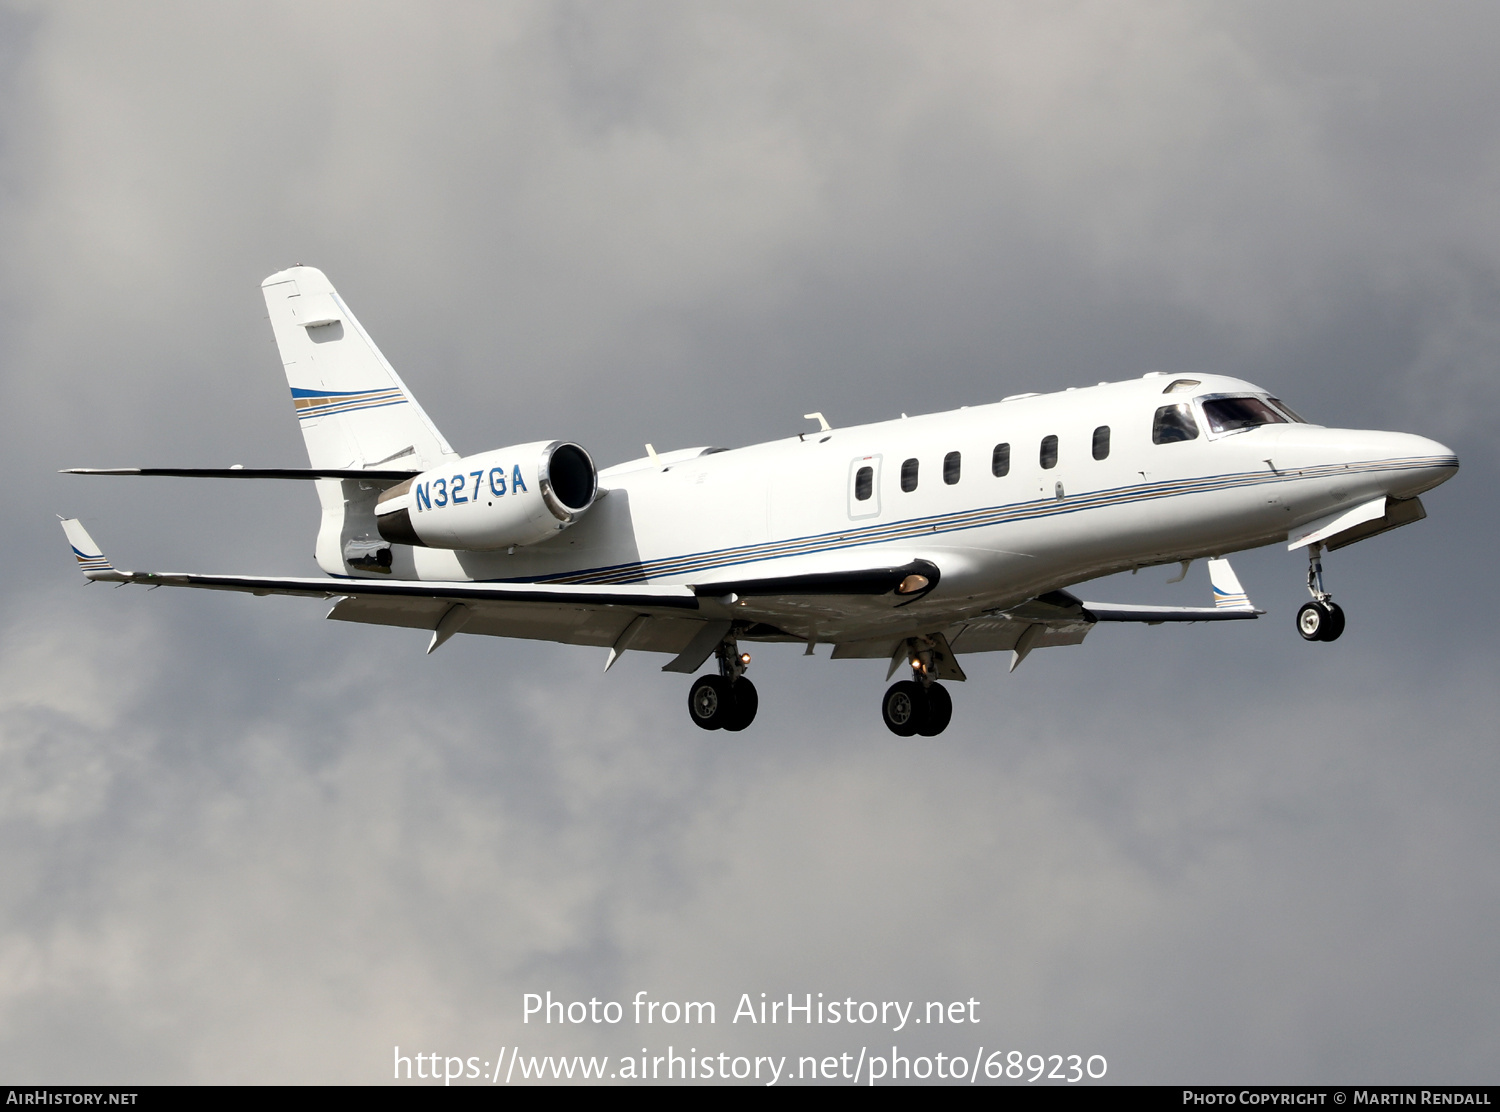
(1233, 414)
(864, 482)
(1000, 460)
(909, 476)
(1174, 423)
(1049, 452)
(1101, 442)
(952, 463)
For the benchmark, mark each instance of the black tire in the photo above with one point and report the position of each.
(1320, 621)
(939, 711)
(746, 703)
(904, 708)
(710, 703)
(1312, 620)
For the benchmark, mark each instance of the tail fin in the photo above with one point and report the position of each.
(354, 410)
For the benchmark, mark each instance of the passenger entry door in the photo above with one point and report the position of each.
(864, 487)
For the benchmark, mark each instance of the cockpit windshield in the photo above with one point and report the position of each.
(1233, 414)
(1289, 411)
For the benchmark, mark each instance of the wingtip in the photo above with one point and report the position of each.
(1228, 592)
(91, 559)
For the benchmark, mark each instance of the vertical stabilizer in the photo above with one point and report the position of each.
(354, 410)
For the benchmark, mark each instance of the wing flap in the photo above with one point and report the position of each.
(568, 624)
(1000, 634)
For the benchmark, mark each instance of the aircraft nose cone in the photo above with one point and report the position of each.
(1425, 464)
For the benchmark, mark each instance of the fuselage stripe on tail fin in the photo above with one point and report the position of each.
(92, 563)
(324, 403)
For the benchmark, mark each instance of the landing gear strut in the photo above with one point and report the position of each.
(727, 701)
(920, 705)
(1322, 619)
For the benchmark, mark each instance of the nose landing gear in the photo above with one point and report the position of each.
(1322, 619)
(727, 701)
(917, 706)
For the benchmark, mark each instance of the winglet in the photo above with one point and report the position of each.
(1228, 594)
(91, 559)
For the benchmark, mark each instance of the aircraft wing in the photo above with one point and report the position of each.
(1230, 604)
(1061, 618)
(674, 619)
(687, 621)
(574, 614)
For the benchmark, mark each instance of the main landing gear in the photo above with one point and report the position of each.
(917, 706)
(1322, 619)
(727, 701)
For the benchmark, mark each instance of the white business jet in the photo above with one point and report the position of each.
(914, 541)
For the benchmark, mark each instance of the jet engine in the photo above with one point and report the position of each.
(510, 496)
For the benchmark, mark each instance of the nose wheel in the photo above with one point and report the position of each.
(1322, 619)
(727, 701)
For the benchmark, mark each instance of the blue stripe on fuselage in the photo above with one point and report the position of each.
(645, 571)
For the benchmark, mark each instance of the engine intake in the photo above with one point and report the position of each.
(510, 496)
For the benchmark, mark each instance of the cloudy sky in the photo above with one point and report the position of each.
(240, 843)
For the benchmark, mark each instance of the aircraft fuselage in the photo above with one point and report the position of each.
(1055, 516)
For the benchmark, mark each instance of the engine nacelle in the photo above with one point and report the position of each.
(511, 496)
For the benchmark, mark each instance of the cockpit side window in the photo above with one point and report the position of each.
(1233, 414)
(1174, 423)
(1289, 411)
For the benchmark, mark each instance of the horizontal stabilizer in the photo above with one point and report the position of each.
(371, 475)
